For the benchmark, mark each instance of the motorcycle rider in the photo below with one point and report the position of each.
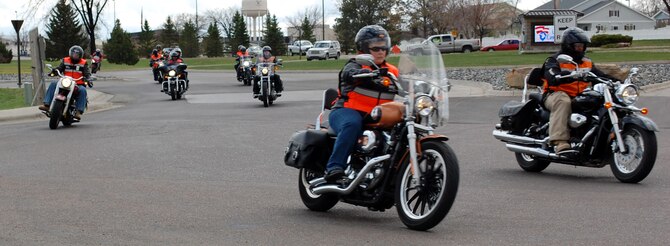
(268, 57)
(357, 97)
(241, 51)
(160, 49)
(76, 67)
(97, 53)
(175, 59)
(156, 57)
(559, 92)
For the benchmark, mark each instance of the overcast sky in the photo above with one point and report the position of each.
(156, 11)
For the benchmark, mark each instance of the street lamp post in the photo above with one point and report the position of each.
(323, 20)
(17, 26)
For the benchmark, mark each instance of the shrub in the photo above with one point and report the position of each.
(603, 39)
(5, 54)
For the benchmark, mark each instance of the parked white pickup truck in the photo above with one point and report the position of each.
(299, 46)
(447, 44)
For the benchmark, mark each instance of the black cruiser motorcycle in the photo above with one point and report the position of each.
(605, 128)
(399, 160)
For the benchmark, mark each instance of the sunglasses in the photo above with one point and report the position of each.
(377, 49)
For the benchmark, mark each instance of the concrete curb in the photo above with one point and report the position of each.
(97, 101)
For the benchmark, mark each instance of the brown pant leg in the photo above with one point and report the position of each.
(560, 106)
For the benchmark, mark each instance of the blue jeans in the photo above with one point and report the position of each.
(80, 101)
(348, 124)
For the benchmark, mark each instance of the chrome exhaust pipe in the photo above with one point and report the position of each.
(331, 188)
(506, 137)
(532, 151)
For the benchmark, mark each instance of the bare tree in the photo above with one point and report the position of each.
(90, 10)
(223, 18)
(313, 15)
(648, 7)
(479, 15)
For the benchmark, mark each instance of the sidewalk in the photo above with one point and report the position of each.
(97, 101)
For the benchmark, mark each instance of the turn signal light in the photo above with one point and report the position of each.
(644, 111)
(608, 105)
(386, 82)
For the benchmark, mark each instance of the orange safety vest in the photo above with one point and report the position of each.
(240, 54)
(74, 70)
(574, 88)
(364, 99)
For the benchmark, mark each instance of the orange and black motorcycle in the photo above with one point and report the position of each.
(399, 159)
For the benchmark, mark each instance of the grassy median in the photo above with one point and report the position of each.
(11, 98)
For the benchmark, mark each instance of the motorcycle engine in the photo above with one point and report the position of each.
(368, 142)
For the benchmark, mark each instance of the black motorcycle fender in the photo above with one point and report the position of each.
(640, 121)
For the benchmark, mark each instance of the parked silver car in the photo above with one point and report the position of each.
(323, 50)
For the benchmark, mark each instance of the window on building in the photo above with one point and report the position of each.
(600, 28)
(629, 27)
(615, 28)
(614, 13)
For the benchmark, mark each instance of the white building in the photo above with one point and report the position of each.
(604, 16)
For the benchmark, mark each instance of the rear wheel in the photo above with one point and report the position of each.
(529, 164)
(467, 49)
(312, 201)
(423, 204)
(634, 165)
(56, 113)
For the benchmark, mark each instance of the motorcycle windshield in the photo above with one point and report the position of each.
(425, 70)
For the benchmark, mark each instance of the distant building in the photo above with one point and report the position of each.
(603, 15)
(293, 33)
(662, 19)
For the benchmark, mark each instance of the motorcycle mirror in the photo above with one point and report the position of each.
(365, 60)
(563, 58)
(634, 70)
(49, 66)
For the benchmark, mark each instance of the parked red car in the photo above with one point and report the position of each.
(507, 44)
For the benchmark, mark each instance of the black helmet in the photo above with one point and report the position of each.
(155, 52)
(175, 54)
(371, 34)
(159, 47)
(572, 36)
(76, 53)
(241, 47)
(267, 48)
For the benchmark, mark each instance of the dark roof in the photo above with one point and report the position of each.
(565, 4)
(552, 12)
(595, 7)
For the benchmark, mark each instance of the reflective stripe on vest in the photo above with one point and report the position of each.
(75, 71)
(363, 99)
(574, 88)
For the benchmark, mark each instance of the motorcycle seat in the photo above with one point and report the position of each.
(331, 132)
(535, 96)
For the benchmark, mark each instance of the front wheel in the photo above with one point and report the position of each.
(422, 204)
(312, 201)
(266, 95)
(56, 113)
(173, 93)
(529, 164)
(634, 165)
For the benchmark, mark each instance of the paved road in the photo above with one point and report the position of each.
(209, 170)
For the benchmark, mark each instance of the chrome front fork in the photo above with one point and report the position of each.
(615, 123)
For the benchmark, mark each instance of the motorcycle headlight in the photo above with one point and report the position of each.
(246, 63)
(66, 83)
(172, 73)
(424, 105)
(627, 94)
(265, 71)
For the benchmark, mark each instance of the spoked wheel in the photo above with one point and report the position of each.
(56, 113)
(529, 164)
(634, 165)
(422, 204)
(312, 201)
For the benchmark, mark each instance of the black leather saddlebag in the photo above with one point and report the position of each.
(516, 116)
(308, 149)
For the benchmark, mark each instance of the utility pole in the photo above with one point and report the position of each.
(17, 26)
(323, 21)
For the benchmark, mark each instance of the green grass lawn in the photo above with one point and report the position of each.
(11, 98)
(474, 59)
(656, 42)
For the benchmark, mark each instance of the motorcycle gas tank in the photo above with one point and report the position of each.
(588, 100)
(391, 113)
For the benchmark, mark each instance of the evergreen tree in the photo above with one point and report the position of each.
(5, 54)
(356, 14)
(119, 47)
(188, 41)
(63, 31)
(213, 43)
(240, 34)
(169, 37)
(274, 36)
(307, 31)
(146, 42)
